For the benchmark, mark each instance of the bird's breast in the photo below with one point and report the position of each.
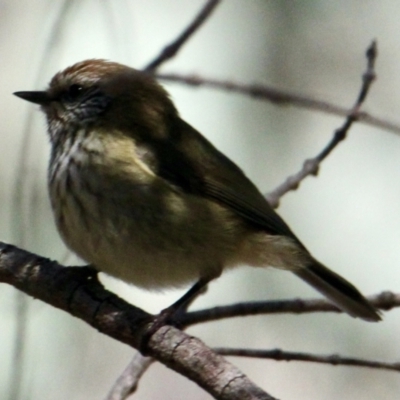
(113, 210)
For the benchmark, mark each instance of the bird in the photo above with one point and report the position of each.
(141, 195)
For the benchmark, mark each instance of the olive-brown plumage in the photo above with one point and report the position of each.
(141, 195)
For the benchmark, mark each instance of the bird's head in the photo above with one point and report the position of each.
(105, 95)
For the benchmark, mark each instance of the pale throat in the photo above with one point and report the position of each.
(91, 147)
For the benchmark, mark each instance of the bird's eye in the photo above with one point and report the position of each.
(74, 91)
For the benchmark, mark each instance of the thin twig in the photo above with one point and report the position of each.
(384, 301)
(127, 382)
(311, 166)
(281, 355)
(280, 97)
(172, 49)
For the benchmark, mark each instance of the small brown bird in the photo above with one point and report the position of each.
(141, 195)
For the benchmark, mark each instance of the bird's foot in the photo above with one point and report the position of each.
(172, 314)
(168, 316)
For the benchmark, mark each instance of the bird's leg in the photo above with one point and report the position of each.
(180, 306)
(183, 303)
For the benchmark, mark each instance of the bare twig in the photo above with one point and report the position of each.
(280, 97)
(127, 382)
(383, 301)
(172, 49)
(281, 355)
(79, 293)
(311, 166)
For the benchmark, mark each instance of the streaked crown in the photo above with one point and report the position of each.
(111, 96)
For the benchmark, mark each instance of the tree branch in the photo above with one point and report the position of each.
(280, 98)
(332, 359)
(172, 49)
(78, 292)
(384, 301)
(311, 166)
(127, 382)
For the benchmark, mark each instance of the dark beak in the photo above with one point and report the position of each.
(41, 98)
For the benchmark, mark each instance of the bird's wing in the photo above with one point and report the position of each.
(192, 163)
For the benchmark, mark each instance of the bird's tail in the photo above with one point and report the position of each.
(341, 292)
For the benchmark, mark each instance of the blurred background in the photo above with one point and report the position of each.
(349, 216)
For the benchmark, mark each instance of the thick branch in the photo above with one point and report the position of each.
(78, 292)
(172, 49)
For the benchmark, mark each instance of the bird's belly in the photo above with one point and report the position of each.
(149, 235)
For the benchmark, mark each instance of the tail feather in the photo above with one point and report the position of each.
(341, 292)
